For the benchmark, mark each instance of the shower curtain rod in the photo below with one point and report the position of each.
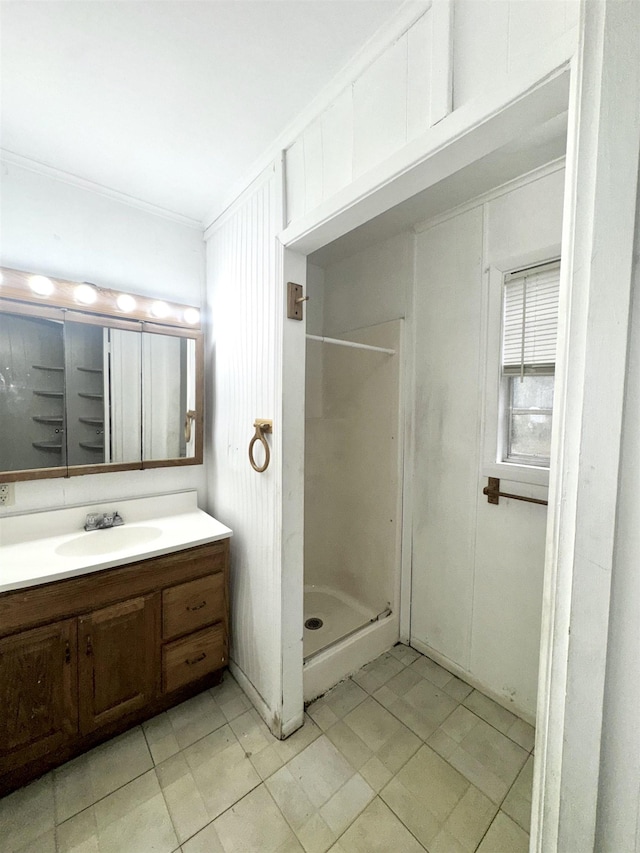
(352, 344)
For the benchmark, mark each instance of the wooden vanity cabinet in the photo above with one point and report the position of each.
(38, 709)
(117, 654)
(86, 658)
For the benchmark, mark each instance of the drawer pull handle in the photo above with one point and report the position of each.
(197, 606)
(67, 652)
(89, 649)
(196, 660)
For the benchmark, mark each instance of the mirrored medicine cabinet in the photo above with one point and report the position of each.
(91, 386)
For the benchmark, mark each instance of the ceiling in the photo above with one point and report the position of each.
(168, 101)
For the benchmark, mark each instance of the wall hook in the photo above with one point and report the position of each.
(261, 427)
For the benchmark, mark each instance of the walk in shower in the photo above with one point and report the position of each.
(352, 499)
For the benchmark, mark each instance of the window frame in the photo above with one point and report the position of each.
(495, 409)
(506, 396)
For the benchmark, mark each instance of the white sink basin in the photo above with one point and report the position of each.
(106, 541)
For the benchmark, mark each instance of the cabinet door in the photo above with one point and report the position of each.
(38, 689)
(118, 660)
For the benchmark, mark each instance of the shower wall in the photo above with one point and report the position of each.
(353, 425)
(351, 463)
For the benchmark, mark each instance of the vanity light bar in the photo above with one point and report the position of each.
(91, 298)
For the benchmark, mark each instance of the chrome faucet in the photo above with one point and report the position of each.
(102, 521)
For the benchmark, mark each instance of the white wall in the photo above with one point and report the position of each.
(244, 382)
(617, 827)
(477, 568)
(497, 39)
(63, 230)
(369, 287)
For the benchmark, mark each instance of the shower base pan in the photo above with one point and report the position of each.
(339, 614)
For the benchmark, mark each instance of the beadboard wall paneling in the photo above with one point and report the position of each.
(243, 383)
(378, 111)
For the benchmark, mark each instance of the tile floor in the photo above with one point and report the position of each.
(403, 756)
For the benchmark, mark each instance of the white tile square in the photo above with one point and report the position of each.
(405, 654)
(517, 803)
(118, 761)
(27, 814)
(195, 718)
(339, 700)
(504, 836)
(430, 670)
(354, 749)
(251, 731)
(490, 711)
(185, 804)
(45, 843)
(457, 688)
(253, 823)
(377, 830)
(372, 676)
(487, 758)
(375, 773)
(320, 770)
(374, 725)
(291, 798)
(205, 841)
(346, 804)
(161, 738)
(133, 818)
(422, 707)
(523, 734)
(92, 776)
(315, 835)
(223, 776)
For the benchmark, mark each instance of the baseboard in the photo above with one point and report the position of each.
(458, 671)
(278, 729)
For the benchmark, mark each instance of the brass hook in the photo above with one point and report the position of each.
(261, 426)
(189, 417)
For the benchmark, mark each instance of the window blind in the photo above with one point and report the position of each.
(530, 320)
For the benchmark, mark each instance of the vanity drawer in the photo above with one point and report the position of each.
(192, 657)
(191, 605)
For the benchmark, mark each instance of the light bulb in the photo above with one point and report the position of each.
(41, 285)
(86, 294)
(125, 302)
(160, 310)
(191, 316)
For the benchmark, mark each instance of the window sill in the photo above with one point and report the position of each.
(517, 473)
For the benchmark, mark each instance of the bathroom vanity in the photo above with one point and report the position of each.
(97, 634)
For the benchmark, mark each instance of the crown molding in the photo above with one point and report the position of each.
(13, 159)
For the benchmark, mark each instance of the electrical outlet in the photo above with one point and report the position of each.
(7, 495)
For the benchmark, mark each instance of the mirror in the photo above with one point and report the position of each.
(81, 394)
(31, 393)
(168, 375)
(102, 394)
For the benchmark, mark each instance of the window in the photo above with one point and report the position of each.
(529, 331)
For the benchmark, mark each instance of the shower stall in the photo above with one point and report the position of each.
(353, 459)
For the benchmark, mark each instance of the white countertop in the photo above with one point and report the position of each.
(34, 548)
